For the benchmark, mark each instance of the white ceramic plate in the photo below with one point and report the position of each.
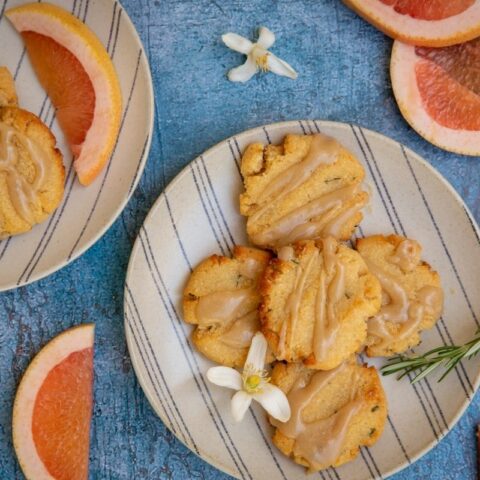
(197, 215)
(85, 212)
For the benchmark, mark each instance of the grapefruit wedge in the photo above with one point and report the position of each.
(53, 408)
(78, 75)
(430, 23)
(438, 93)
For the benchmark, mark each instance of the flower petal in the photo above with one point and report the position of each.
(237, 43)
(225, 377)
(244, 72)
(257, 352)
(274, 401)
(266, 38)
(240, 403)
(280, 67)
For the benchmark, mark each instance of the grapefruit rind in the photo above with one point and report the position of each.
(57, 350)
(426, 33)
(75, 36)
(407, 95)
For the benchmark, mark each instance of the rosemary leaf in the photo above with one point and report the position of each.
(447, 356)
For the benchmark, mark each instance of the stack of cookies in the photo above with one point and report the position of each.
(318, 299)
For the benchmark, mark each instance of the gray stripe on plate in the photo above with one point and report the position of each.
(369, 454)
(116, 31)
(217, 203)
(155, 383)
(302, 127)
(153, 361)
(188, 352)
(2, 10)
(210, 202)
(397, 436)
(267, 444)
(267, 135)
(84, 18)
(234, 158)
(174, 225)
(111, 25)
(137, 169)
(475, 231)
(205, 209)
(362, 454)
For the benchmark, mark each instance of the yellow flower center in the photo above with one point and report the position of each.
(252, 382)
(260, 55)
(253, 379)
(262, 62)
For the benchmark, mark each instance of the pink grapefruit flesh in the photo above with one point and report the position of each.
(438, 93)
(429, 9)
(53, 408)
(431, 23)
(67, 84)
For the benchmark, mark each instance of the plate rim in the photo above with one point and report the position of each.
(178, 177)
(35, 277)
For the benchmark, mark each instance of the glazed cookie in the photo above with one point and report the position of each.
(31, 171)
(306, 188)
(8, 95)
(412, 298)
(334, 413)
(221, 297)
(317, 298)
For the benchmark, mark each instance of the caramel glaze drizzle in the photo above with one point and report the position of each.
(331, 289)
(23, 194)
(320, 217)
(240, 334)
(330, 292)
(318, 442)
(397, 308)
(224, 307)
(293, 303)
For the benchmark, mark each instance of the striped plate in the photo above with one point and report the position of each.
(197, 215)
(85, 213)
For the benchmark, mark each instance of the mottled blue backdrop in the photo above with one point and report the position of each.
(343, 75)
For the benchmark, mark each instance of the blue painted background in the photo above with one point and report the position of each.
(343, 75)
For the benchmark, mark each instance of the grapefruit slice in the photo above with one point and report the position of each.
(78, 75)
(438, 93)
(53, 408)
(430, 23)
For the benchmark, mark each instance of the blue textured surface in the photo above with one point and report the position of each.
(343, 67)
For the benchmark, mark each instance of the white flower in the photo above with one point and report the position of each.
(252, 384)
(258, 56)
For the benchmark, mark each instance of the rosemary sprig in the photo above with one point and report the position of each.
(447, 357)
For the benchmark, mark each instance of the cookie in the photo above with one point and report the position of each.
(31, 171)
(8, 95)
(221, 298)
(306, 188)
(412, 297)
(316, 299)
(334, 413)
